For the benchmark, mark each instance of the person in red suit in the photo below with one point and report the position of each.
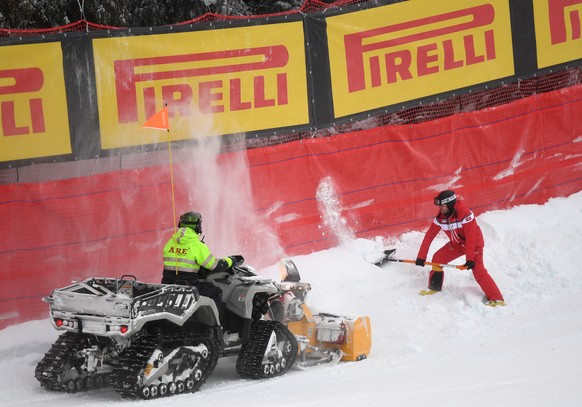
(465, 238)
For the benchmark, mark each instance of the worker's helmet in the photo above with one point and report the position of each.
(446, 197)
(192, 220)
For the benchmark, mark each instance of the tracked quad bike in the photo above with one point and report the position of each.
(152, 340)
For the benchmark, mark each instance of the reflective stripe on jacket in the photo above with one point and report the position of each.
(461, 228)
(185, 252)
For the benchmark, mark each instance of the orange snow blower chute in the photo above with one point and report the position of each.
(321, 337)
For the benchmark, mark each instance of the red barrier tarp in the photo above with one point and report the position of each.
(379, 182)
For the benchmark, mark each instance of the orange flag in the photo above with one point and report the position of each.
(158, 121)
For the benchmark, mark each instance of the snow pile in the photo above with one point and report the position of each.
(444, 350)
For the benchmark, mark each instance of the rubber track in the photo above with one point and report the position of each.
(132, 361)
(49, 370)
(249, 362)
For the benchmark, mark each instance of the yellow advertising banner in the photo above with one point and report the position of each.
(558, 31)
(388, 55)
(33, 106)
(213, 82)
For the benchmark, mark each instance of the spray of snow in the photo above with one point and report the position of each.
(219, 187)
(331, 211)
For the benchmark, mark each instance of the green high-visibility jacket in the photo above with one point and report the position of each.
(185, 252)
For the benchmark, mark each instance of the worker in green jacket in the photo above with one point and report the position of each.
(187, 259)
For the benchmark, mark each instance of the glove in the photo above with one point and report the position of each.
(237, 260)
(469, 264)
(420, 262)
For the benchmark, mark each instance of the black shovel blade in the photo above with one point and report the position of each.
(387, 254)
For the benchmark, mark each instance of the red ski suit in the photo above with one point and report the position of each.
(465, 238)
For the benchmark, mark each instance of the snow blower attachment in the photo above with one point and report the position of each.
(156, 340)
(322, 338)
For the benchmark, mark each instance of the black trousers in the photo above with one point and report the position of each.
(204, 288)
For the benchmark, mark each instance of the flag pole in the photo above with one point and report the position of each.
(172, 180)
(165, 109)
(160, 121)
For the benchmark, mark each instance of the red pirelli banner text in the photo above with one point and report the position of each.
(558, 25)
(388, 55)
(34, 119)
(214, 82)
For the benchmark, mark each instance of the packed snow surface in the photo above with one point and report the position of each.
(443, 350)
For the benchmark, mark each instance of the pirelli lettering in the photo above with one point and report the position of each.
(23, 84)
(558, 26)
(420, 59)
(33, 106)
(195, 72)
(410, 50)
(565, 20)
(213, 82)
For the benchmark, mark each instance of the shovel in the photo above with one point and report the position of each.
(426, 263)
(388, 257)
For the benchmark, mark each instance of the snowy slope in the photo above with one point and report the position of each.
(446, 350)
